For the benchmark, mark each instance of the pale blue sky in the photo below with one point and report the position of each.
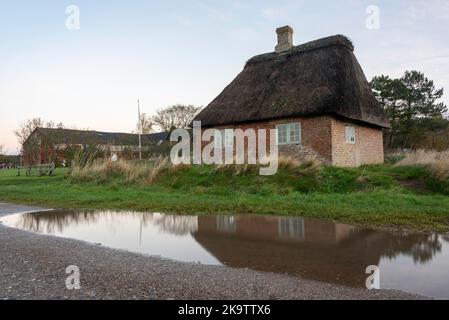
(167, 52)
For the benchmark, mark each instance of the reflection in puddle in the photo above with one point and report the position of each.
(312, 249)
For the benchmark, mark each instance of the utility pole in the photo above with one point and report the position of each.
(140, 130)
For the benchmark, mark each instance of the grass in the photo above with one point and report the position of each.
(384, 196)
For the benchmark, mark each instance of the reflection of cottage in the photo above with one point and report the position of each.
(47, 144)
(315, 95)
(313, 249)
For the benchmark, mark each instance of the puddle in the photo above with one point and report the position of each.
(313, 249)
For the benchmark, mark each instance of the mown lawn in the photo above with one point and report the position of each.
(375, 196)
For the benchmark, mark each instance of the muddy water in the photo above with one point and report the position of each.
(313, 249)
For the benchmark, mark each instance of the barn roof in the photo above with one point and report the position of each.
(86, 137)
(316, 78)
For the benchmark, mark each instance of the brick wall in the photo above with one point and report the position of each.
(368, 147)
(323, 138)
(316, 137)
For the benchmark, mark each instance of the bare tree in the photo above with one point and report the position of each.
(1, 149)
(177, 116)
(146, 123)
(26, 128)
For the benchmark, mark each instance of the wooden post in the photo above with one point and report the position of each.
(140, 131)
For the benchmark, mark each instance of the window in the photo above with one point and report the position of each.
(292, 228)
(229, 138)
(226, 224)
(350, 134)
(289, 133)
(282, 133)
(224, 138)
(295, 134)
(218, 139)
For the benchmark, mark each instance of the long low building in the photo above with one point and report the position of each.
(45, 145)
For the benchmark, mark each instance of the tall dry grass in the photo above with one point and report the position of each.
(128, 172)
(284, 162)
(438, 162)
(86, 168)
(308, 164)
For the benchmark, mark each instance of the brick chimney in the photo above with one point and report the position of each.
(285, 39)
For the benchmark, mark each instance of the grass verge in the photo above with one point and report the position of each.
(381, 196)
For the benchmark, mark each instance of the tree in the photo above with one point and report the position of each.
(407, 101)
(177, 116)
(145, 125)
(389, 92)
(430, 133)
(34, 146)
(3, 158)
(420, 97)
(27, 127)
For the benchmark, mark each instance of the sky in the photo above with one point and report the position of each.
(169, 52)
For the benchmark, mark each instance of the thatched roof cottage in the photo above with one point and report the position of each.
(316, 96)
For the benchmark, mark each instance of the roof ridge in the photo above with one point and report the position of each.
(96, 131)
(335, 40)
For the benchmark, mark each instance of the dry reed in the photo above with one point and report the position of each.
(102, 170)
(438, 162)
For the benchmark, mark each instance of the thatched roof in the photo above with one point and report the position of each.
(315, 78)
(84, 137)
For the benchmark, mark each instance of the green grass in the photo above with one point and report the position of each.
(375, 196)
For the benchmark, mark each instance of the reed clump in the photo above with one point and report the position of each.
(438, 162)
(85, 168)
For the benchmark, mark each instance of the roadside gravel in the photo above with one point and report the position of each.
(33, 267)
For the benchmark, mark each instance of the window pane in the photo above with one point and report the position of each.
(295, 133)
(289, 133)
(350, 134)
(229, 138)
(282, 134)
(218, 139)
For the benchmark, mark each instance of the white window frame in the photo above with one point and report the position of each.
(228, 138)
(350, 134)
(218, 139)
(224, 138)
(289, 127)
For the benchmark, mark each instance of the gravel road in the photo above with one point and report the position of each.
(33, 267)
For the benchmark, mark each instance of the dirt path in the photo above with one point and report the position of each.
(33, 267)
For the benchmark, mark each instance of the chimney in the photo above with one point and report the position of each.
(285, 39)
